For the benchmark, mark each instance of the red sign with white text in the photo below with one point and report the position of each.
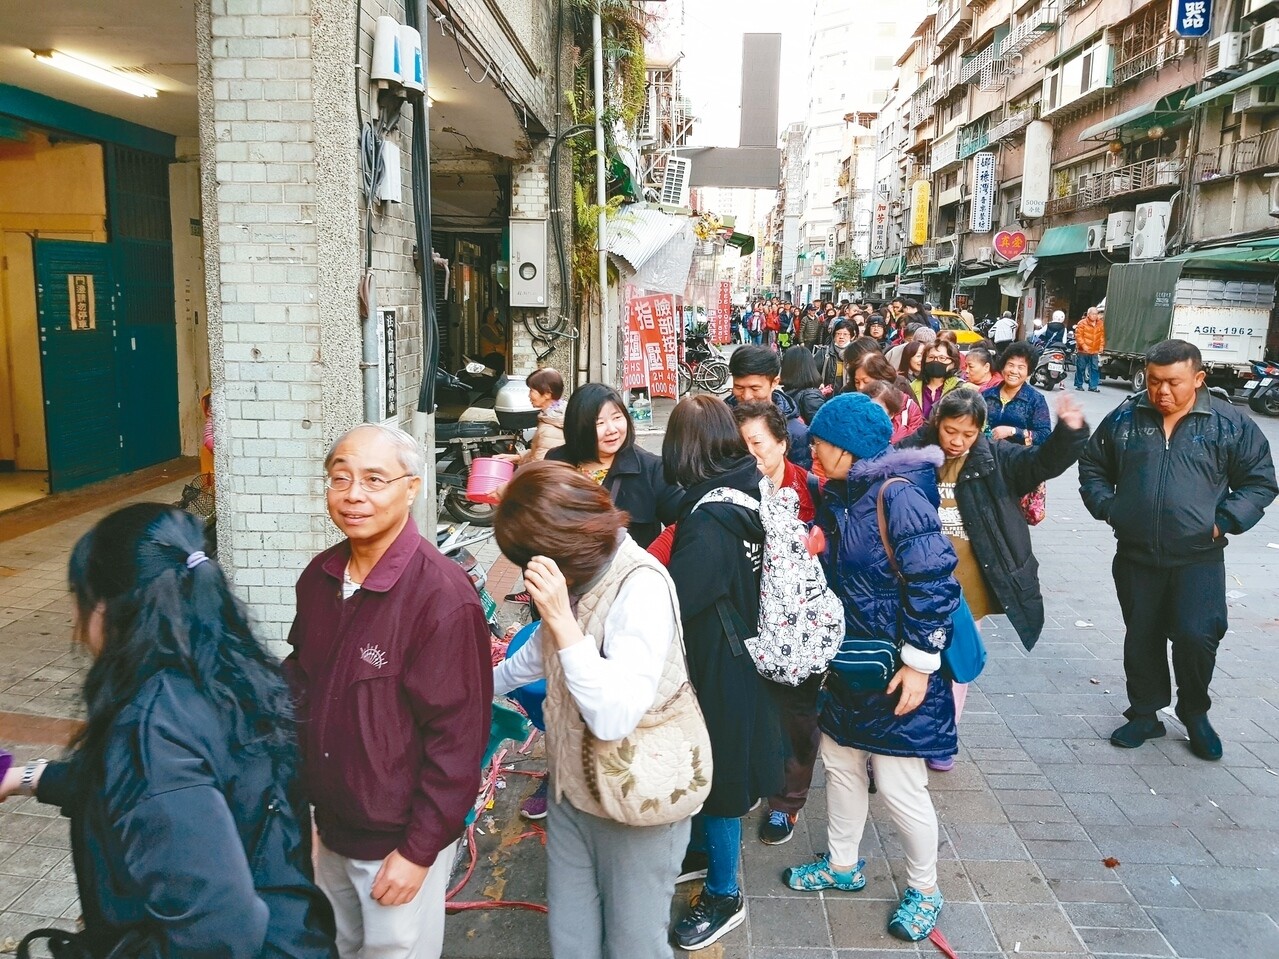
(722, 316)
(648, 346)
(1010, 244)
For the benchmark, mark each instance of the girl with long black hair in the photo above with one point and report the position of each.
(188, 835)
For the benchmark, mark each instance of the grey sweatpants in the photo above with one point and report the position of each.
(609, 886)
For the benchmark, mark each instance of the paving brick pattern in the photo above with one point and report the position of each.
(1035, 806)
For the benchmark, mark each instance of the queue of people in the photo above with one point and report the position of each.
(648, 575)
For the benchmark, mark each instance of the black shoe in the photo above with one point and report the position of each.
(1204, 741)
(710, 918)
(1136, 731)
(777, 828)
(693, 867)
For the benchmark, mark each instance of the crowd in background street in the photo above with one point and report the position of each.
(865, 477)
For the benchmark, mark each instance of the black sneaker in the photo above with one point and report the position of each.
(777, 828)
(711, 918)
(1136, 731)
(693, 867)
(1204, 741)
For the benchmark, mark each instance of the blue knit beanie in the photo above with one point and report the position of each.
(853, 422)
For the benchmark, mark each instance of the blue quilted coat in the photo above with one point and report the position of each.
(857, 567)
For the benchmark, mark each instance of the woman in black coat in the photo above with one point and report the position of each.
(715, 564)
(991, 478)
(599, 440)
(188, 833)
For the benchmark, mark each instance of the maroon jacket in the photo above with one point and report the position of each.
(395, 691)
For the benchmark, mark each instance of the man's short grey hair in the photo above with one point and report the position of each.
(407, 449)
(925, 334)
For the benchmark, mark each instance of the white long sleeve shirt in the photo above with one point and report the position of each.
(614, 689)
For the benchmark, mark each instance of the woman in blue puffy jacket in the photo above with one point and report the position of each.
(884, 698)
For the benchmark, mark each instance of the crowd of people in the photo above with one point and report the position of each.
(912, 479)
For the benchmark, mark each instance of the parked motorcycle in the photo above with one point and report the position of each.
(1052, 365)
(455, 542)
(498, 419)
(1262, 390)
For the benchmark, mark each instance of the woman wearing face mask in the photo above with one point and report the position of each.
(938, 375)
(1017, 412)
(599, 440)
(189, 834)
(981, 483)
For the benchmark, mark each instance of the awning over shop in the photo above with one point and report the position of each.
(887, 266)
(1232, 257)
(743, 241)
(1065, 240)
(1269, 72)
(979, 279)
(937, 270)
(1144, 116)
(637, 233)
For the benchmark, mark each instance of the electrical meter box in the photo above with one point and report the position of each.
(528, 263)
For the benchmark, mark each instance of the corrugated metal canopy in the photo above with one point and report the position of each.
(980, 279)
(1268, 72)
(637, 233)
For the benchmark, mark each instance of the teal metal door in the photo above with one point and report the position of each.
(75, 303)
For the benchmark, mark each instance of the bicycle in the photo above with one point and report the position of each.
(702, 367)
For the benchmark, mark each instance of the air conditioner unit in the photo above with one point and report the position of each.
(1167, 172)
(1224, 55)
(1096, 237)
(1274, 196)
(1119, 230)
(986, 254)
(675, 185)
(1263, 41)
(1150, 230)
(1255, 100)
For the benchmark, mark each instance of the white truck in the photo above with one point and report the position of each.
(1224, 313)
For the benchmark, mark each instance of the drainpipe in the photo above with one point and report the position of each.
(607, 338)
(369, 358)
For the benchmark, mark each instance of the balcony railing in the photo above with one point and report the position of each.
(1258, 152)
(972, 66)
(945, 152)
(1012, 123)
(1030, 31)
(1099, 188)
(1152, 58)
(970, 143)
(919, 173)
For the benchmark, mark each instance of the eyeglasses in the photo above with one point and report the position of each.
(370, 484)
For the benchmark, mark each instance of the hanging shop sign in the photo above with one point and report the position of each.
(1009, 244)
(983, 202)
(722, 314)
(1036, 173)
(648, 346)
(1192, 18)
(920, 194)
(879, 229)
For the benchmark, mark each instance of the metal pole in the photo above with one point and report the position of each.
(607, 338)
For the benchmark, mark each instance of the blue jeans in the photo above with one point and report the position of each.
(721, 839)
(1087, 364)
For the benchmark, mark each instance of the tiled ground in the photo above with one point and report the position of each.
(1037, 803)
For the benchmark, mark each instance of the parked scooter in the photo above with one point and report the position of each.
(1262, 390)
(1052, 365)
(455, 542)
(498, 418)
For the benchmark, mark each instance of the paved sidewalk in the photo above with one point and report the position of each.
(1036, 806)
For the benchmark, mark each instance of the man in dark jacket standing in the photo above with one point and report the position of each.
(810, 327)
(392, 664)
(1173, 471)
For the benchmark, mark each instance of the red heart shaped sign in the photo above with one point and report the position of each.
(1010, 244)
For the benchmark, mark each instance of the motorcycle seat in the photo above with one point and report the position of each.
(468, 430)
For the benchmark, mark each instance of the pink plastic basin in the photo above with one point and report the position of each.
(487, 474)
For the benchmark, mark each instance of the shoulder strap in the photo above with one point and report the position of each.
(814, 489)
(881, 515)
(725, 494)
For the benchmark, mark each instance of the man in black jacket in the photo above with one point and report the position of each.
(1173, 470)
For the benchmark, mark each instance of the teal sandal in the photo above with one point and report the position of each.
(818, 875)
(916, 915)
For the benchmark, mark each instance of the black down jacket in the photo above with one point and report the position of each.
(995, 477)
(1162, 496)
(189, 848)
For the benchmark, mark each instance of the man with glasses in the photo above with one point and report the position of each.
(391, 663)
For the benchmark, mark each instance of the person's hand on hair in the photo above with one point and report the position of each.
(548, 589)
(398, 881)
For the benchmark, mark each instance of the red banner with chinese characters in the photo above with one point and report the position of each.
(722, 316)
(648, 346)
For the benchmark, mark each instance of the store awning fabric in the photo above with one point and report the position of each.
(979, 279)
(1169, 104)
(1065, 240)
(1269, 72)
(743, 241)
(887, 266)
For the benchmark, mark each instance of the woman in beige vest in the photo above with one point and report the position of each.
(627, 749)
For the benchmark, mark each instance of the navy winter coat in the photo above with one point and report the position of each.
(858, 570)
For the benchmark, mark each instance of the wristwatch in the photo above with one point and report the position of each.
(27, 786)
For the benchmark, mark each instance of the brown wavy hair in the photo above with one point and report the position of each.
(550, 509)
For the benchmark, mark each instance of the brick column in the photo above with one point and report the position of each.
(280, 208)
